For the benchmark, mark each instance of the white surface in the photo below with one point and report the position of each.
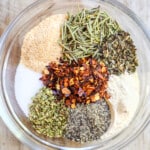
(124, 91)
(27, 84)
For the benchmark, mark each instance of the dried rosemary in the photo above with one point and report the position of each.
(48, 116)
(83, 33)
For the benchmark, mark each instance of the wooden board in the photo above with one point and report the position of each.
(9, 9)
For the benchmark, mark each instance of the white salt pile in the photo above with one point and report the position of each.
(27, 84)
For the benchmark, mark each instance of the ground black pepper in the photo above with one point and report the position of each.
(88, 122)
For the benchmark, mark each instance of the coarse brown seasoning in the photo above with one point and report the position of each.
(40, 45)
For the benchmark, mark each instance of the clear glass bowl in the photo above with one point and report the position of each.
(10, 46)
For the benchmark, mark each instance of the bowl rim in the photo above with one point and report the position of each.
(5, 111)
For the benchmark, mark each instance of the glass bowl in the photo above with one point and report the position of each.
(10, 46)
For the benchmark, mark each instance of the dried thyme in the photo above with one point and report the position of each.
(83, 33)
(88, 122)
(119, 53)
(48, 116)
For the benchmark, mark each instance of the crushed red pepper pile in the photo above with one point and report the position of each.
(84, 81)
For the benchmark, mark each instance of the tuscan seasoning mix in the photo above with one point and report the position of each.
(73, 102)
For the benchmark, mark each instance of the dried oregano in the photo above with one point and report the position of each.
(48, 116)
(119, 53)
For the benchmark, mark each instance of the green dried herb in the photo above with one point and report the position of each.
(119, 53)
(94, 33)
(48, 116)
(83, 33)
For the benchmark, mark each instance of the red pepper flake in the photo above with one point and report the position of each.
(66, 91)
(84, 81)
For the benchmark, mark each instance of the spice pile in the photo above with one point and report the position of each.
(48, 116)
(88, 122)
(94, 33)
(40, 45)
(82, 34)
(73, 102)
(119, 53)
(84, 81)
